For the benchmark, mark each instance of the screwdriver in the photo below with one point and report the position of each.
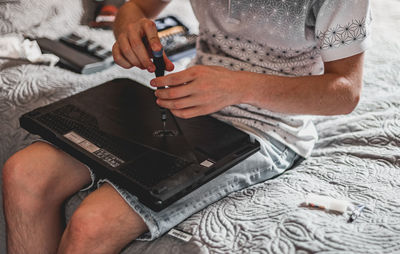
(158, 61)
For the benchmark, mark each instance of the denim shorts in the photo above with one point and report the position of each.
(272, 159)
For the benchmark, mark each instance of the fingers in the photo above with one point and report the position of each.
(174, 92)
(140, 51)
(186, 107)
(119, 58)
(174, 79)
(181, 103)
(127, 52)
(149, 31)
(190, 112)
(130, 50)
(169, 66)
(151, 34)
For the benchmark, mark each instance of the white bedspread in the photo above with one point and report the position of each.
(357, 157)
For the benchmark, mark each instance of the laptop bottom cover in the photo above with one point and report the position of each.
(112, 128)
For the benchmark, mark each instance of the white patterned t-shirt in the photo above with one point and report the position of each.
(279, 37)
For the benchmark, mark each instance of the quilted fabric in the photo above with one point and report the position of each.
(54, 16)
(356, 158)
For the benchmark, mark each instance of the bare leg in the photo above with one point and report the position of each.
(36, 181)
(103, 223)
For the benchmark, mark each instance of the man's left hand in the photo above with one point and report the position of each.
(199, 90)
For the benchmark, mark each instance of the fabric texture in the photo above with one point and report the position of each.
(37, 18)
(356, 157)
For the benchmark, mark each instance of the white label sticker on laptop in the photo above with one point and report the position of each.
(74, 137)
(207, 163)
(180, 235)
(88, 146)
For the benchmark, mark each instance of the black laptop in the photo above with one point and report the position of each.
(112, 128)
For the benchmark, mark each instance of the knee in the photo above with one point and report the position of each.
(86, 228)
(14, 183)
(22, 179)
(13, 174)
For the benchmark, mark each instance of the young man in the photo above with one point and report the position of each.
(260, 65)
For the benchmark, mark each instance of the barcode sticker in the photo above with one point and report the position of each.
(180, 235)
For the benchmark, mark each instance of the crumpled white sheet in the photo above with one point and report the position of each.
(12, 46)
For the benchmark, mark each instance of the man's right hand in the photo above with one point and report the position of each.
(129, 50)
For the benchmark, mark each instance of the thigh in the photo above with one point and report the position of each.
(43, 167)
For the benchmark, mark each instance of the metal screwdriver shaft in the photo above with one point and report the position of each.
(160, 69)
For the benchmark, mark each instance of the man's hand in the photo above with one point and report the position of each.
(199, 90)
(130, 50)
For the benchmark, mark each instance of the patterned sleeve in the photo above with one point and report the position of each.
(342, 27)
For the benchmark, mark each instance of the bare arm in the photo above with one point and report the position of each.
(203, 90)
(337, 91)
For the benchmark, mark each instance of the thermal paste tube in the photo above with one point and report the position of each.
(327, 203)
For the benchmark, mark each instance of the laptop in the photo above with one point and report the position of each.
(112, 129)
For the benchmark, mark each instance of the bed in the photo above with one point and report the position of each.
(356, 158)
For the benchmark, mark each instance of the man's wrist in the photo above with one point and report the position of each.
(246, 83)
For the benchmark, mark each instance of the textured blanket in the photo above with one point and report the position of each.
(357, 157)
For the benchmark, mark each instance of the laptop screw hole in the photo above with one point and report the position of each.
(165, 133)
